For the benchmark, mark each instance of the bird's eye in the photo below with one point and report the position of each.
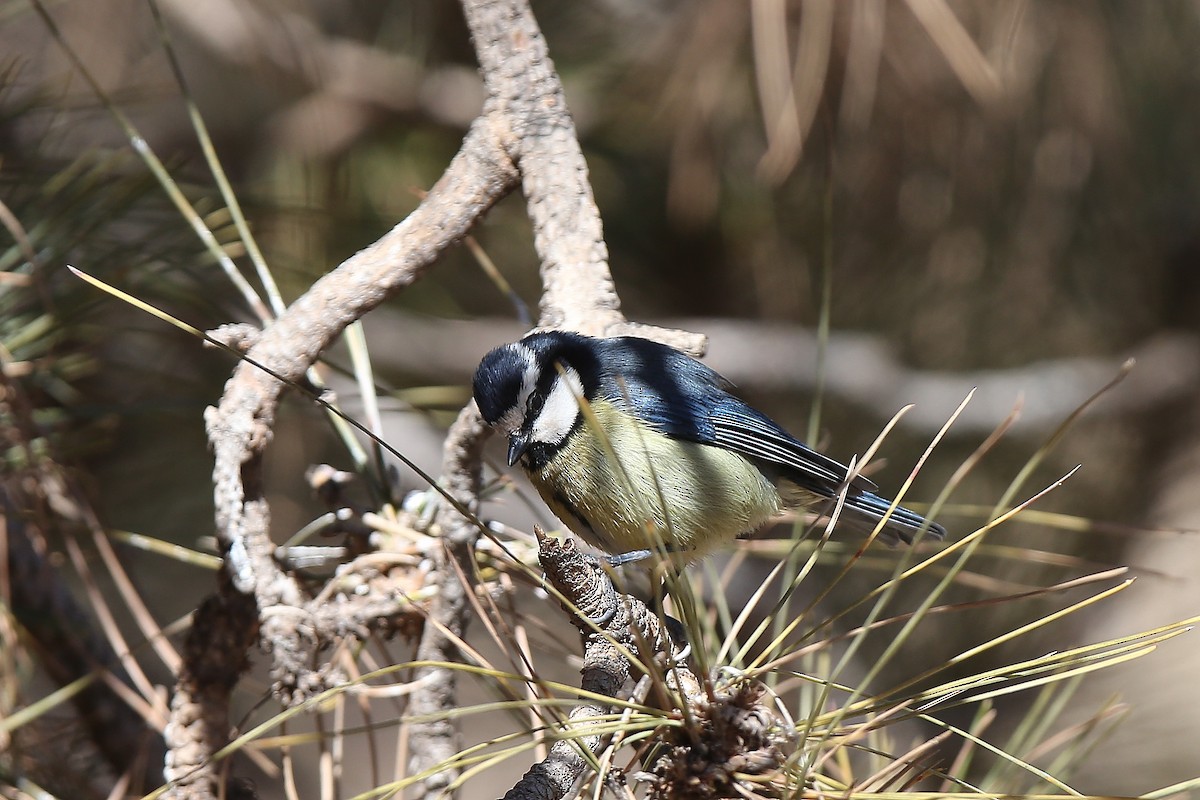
(533, 406)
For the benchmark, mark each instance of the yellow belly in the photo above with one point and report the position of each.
(689, 497)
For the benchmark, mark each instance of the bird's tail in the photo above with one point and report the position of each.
(901, 526)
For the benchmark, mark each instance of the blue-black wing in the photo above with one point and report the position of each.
(683, 398)
(686, 399)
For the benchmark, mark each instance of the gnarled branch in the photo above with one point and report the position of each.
(524, 132)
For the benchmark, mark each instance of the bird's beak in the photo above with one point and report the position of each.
(517, 445)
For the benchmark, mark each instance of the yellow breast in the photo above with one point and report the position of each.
(640, 487)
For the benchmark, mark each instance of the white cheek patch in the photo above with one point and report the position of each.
(561, 409)
(512, 421)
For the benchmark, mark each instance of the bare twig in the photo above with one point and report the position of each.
(214, 656)
(539, 137)
(728, 731)
(240, 427)
(623, 625)
(524, 131)
(578, 292)
(436, 740)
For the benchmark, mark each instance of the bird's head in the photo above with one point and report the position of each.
(530, 390)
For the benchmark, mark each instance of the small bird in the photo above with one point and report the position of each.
(636, 445)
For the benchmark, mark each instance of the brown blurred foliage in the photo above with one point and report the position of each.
(988, 185)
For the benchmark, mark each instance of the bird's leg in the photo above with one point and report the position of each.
(632, 557)
(675, 628)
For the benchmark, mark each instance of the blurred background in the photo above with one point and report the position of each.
(1002, 195)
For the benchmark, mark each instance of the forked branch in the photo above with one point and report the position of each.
(524, 135)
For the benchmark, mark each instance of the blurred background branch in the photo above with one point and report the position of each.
(863, 370)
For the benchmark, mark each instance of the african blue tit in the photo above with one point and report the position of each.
(635, 445)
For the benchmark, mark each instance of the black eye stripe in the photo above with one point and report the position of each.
(541, 391)
(533, 406)
(537, 401)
